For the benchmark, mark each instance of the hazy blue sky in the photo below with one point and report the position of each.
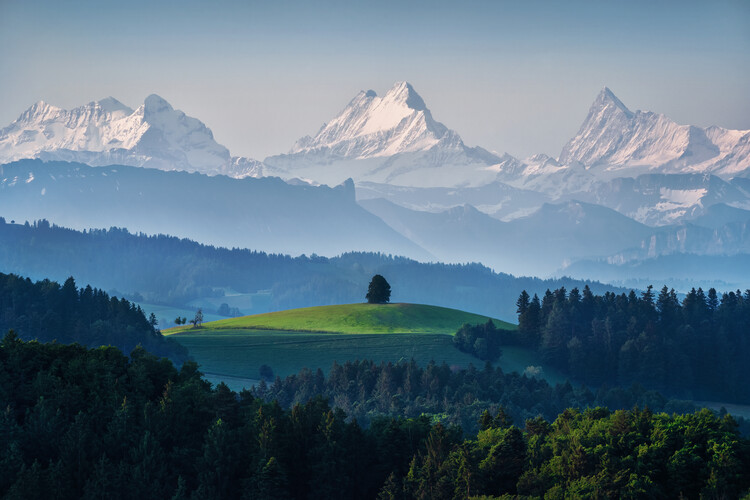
(509, 76)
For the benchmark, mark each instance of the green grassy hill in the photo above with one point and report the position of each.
(232, 350)
(356, 319)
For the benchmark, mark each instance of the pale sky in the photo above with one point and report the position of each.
(508, 76)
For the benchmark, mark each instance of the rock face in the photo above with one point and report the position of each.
(108, 132)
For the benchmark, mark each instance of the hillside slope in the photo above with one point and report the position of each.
(357, 318)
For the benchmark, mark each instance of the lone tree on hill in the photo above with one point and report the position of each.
(379, 291)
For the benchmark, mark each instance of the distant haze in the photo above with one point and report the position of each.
(508, 76)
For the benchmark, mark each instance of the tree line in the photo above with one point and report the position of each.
(47, 311)
(94, 423)
(694, 348)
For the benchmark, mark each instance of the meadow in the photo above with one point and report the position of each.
(241, 352)
(233, 350)
(359, 319)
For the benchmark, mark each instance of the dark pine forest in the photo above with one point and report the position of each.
(93, 423)
(47, 311)
(696, 348)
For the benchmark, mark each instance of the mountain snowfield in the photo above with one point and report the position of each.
(107, 132)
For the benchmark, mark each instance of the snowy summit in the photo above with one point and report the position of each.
(397, 139)
(372, 126)
(615, 139)
(108, 132)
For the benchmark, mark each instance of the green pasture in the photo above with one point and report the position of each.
(241, 352)
(316, 337)
(358, 319)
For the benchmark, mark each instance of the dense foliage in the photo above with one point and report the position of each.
(46, 311)
(168, 270)
(482, 341)
(698, 348)
(79, 423)
(366, 390)
(378, 291)
(590, 454)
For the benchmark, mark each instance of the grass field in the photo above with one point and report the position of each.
(240, 353)
(359, 319)
(233, 350)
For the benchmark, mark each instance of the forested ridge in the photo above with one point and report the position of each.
(697, 348)
(47, 311)
(93, 423)
(168, 270)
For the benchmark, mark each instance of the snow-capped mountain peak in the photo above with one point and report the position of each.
(389, 139)
(39, 111)
(107, 131)
(607, 100)
(155, 104)
(112, 105)
(372, 126)
(601, 133)
(405, 93)
(621, 142)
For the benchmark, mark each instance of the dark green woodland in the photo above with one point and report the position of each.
(695, 348)
(94, 423)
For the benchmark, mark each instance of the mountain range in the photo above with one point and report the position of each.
(397, 139)
(392, 139)
(621, 142)
(537, 244)
(629, 187)
(107, 132)
(265, 214)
